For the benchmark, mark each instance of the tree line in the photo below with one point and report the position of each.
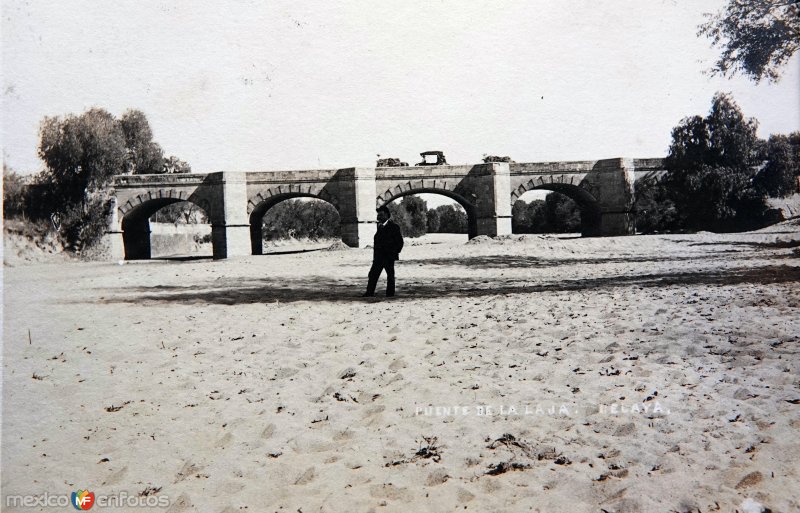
(317, 219)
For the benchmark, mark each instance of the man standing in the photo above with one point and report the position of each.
(385, 250)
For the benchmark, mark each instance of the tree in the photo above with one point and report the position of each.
(143, 156)
(529, 217)
(411, 215)
(519, 217)
(182, 212)
(82, 153)
(562, 214)
(173, 165)
(711, 163)
(452, 219)
(655, 211)
(778, 178)
(14, 197)
(433, 220)
(299, 219)
(757, 37)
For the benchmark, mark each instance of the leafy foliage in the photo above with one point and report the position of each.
(779, 176)
(411, 215)
(709, 185)
(296, 218)
(655, 211)
(81, 154)
(557, 213)
(173, 165)
(757, 37)
(182, 212)
(433, 221)
(82, 224)
(14, 193)
(143, 156)
(452, 219)
(562, 213)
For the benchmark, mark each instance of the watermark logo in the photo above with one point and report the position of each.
(83, 500)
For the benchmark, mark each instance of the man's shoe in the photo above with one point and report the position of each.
(367, 294)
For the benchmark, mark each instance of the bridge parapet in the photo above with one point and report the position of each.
(165, 180)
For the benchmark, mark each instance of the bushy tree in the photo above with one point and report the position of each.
(778, 178)
(655, 211)
(562, 213)
(14, 197)
(757, 37)
(143, 156)
(711, 163)
(174, 165)
(410, 215)
(557, 213)
(519, 217)
(81, 154)
(433, 220)
(529, 217)
(299, 219)
(452, 219)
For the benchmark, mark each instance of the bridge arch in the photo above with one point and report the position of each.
(469, 207)
(580, 194)
(135, 217)
(261, 202)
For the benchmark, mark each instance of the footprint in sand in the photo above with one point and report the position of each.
(391, 492)
(464, 495)
(437, 477)
(182, 503)
(268, 431)
(306, 477)
(188, 469)
(398, 364)
(115, 477)
(224, 441)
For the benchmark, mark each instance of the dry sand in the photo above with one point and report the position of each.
(669, 363)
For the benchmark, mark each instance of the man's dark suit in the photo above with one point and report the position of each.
(387, 245)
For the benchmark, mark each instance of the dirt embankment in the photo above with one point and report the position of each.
(28, 242)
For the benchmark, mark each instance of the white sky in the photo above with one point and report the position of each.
(251, 85)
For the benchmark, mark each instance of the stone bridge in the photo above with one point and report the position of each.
(235, 202)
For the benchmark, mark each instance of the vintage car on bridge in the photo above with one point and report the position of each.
(390, 162)
(427, 159)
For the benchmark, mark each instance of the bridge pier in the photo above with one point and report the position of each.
(357, 206)
(615, 179)
(493, 210)
(230, 227)
(114, 240)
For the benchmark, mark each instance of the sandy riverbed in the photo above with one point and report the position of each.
(647, 373)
